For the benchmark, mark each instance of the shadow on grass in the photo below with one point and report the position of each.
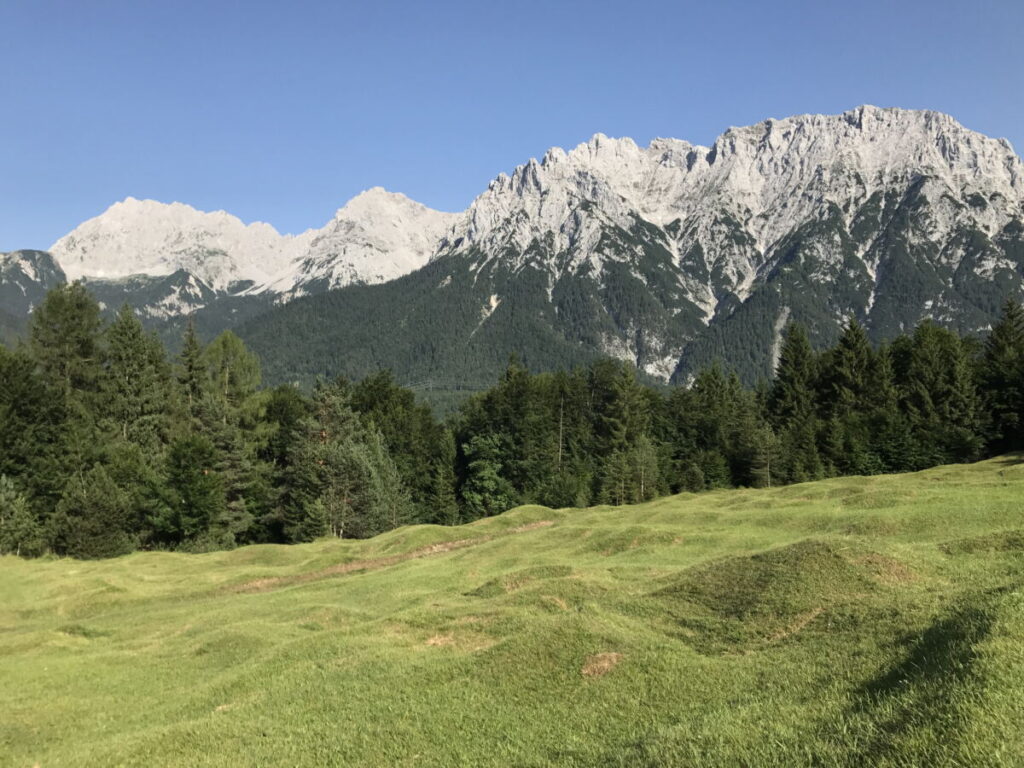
(916, 709)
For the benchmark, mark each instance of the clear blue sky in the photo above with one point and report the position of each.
(281, 111)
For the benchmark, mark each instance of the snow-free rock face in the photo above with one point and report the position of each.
(144, 237)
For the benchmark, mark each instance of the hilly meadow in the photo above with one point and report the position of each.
(845, 622)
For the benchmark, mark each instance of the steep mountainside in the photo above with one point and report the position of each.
(668, 255)
(25, 277)
(674, 254)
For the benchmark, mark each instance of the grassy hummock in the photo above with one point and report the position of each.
(857, 621)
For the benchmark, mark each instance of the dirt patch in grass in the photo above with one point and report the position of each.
(600, 664)
(532, 526)
(441, 640)
(77, 630)
(461, 641)
(555, 602)
(799, 623)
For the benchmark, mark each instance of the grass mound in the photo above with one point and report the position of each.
(765, 597)
(510, 582)
(1002, 541)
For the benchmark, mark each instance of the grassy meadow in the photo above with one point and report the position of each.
(856, 621)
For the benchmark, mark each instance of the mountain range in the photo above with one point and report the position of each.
(669, 256)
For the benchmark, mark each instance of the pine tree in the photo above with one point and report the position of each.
(443, 507)
(34, 431)
(64, 339)
(692, 479)
(646, 469)
(390, 505)
(1003, 377)
(765, 453)
(135, 391)
(411, 434)
(191, 376)
(791, 398)
(617, 479)
(485, 491)
(93, 517)
(65, 344)
(940, 397)
(195, 497)
(341, 480)
(792, 408)
(20, 532)
(846, 373)
(232, 371)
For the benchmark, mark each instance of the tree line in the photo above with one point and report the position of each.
(108, 446)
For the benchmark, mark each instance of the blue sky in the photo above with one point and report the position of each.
(281, 111)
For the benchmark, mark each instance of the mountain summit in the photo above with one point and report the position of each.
(669, 255)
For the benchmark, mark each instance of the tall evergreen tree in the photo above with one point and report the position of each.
(791, 398)
(195, 493)
(1003, 377)
(64, 339)
(939, 395)
(485, 491)
(443, 506)
(93, 518)
(20, 531)
(792, 408)
(191, 376)
(232, 371)
(135, 387)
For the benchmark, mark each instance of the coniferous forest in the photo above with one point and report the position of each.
(107, 445)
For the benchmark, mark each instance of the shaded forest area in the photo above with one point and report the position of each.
(107, 445)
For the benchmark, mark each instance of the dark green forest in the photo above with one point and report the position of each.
(107, 445)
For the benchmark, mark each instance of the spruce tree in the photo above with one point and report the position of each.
(791, 398)
(232, 371)
(191, 376)
(938, 393)
(195, 494)
(20, 531)
(64, 339)
(792, 408)
(442, 506)
(485, 491)
(93, 517)
(1003, 378)
(135, 391)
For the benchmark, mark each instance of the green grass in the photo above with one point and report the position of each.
(859, 621)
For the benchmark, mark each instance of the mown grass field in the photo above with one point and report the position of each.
(858, 621)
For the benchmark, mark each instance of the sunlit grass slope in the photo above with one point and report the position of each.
(859, 621)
